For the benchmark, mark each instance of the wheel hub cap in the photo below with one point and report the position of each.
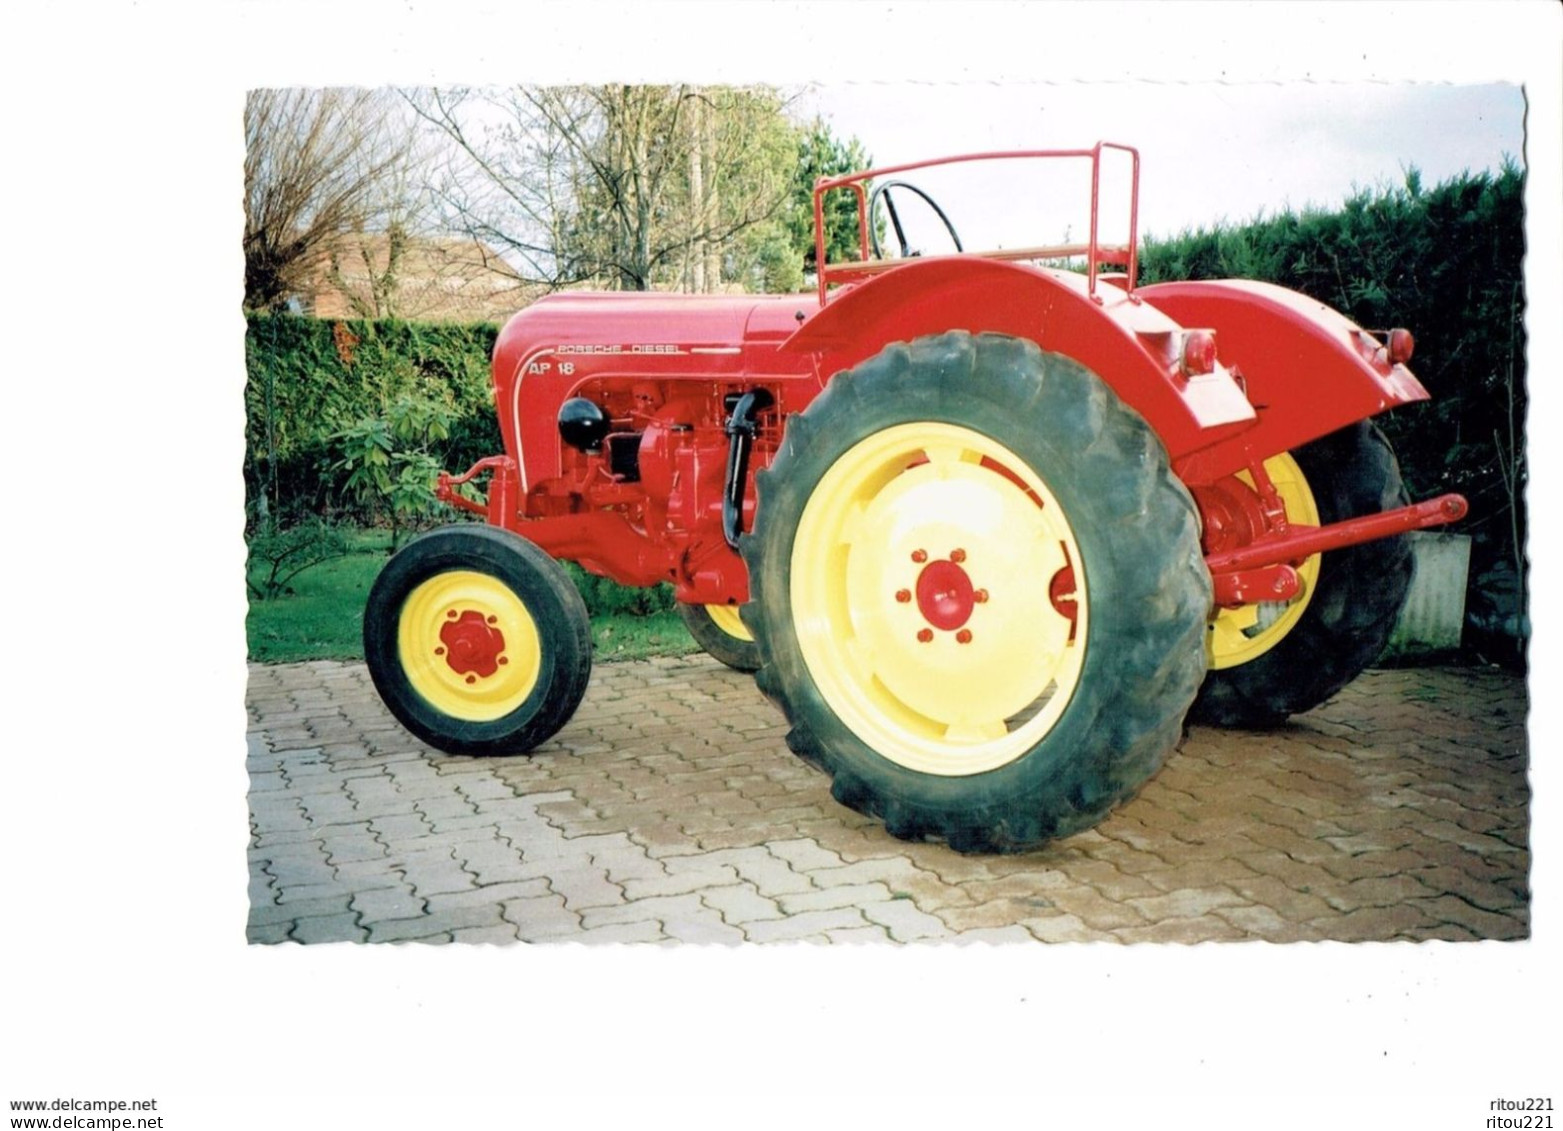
(472, 645)
(945, 595)
(468, 645)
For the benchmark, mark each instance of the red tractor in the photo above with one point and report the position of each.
(987, 530)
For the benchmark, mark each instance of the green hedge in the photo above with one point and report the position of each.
(311, 381)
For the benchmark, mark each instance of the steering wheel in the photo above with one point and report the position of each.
(883, 189)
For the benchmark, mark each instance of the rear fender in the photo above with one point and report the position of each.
(1308, 370)
(1124, 341)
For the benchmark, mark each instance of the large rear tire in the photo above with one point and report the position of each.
(477, 641)
(978, 592)
(1271, 661)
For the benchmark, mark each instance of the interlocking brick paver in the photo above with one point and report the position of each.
(1378, 891)
(422, 929)
(1506, 895)
(1066, 928)
(769, 875)
(387, 903)
(429, 880)
(268, 933)
(541, 918)
(1265, 923)
(1452, 909)
(741, 903)
(496, 894)
(1375, 923)
(491, 863)
(993, 915)
(454, 919)
(656, 908)
(1290, 904)
(669, 810)
(857, 936)
(263, 889)
(808, 924)
(643, 932)
(703, 929)
(803, 855)
(267, 914)
(504, 933)
(370, 871)
(1094, 910)
(1185, 903)
(1208, 928)
(840, 895)
(336, 889)
(680, 881)
(328, 928)
(298, 871)
(1199, 874)
(584, 886)
(352, 849)
(995, 936)
(904, 921)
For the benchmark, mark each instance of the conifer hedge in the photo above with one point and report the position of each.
(320, 392)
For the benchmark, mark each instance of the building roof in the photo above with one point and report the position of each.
(424, 278)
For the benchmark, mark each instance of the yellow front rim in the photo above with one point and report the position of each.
(468, 646)
(1241, 635)
(939, 599)
(726, 618)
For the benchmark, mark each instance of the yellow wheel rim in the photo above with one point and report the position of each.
(468, 646)
(1238, 636)
(932, 599)
(726, 618)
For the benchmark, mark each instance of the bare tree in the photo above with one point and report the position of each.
(317, 164)
(621, 186)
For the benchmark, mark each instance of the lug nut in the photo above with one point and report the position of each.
(451, 613)
(981, 596)
(925, 635)
(919, 555)
(903, 595)
(439, 651)
(493, 620)
(472, 679)
(963, 636)
(957, 556)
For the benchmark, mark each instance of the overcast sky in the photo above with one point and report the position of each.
(1209, 151)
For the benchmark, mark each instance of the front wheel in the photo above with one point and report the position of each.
(978, 592)
(1273, 660)
(722, 635)
(477, 641)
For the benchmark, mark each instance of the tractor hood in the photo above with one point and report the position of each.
(645, 324)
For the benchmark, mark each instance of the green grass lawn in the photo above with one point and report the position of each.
(319, 616)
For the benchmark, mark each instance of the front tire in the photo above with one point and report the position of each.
(1270, 662)
(978, 592)
(477, 641)
(722, 635)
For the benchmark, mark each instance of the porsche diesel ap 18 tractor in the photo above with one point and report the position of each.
(987, 526)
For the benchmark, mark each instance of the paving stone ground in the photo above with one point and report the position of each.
(670, 810)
